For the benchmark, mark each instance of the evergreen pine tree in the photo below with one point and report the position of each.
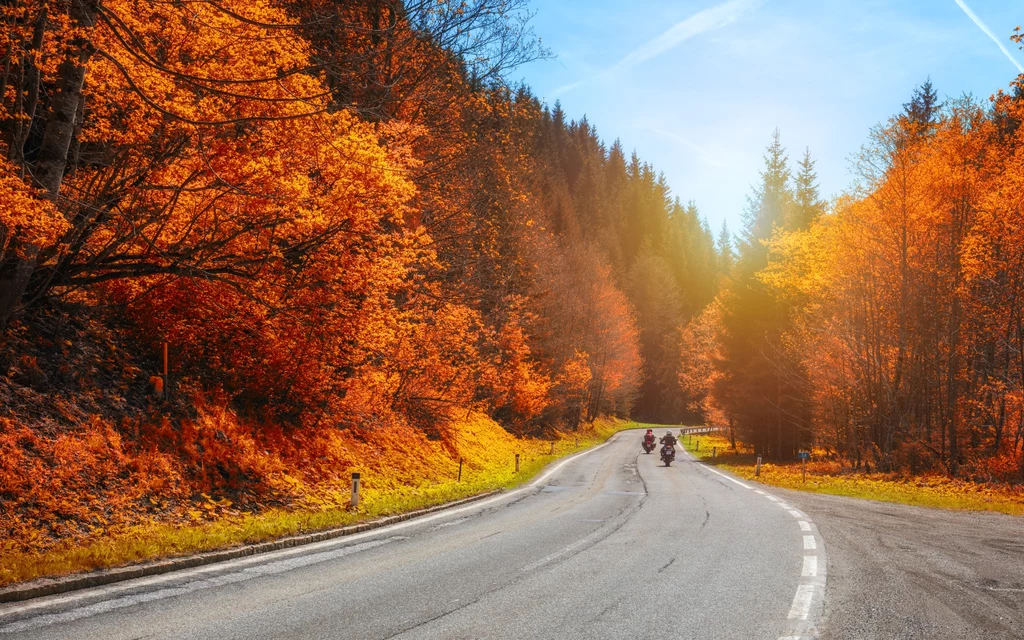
(924, 105)
(807, 205)
(726, 255)
(760, 392)
(767, 206)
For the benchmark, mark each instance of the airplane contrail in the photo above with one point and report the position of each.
(709, 19)
(988, 32)
(712, 159)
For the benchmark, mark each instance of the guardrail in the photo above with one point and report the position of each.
(689, 430)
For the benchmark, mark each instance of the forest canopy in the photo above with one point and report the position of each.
(340, 214)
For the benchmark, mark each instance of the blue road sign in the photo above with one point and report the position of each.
(804, 455)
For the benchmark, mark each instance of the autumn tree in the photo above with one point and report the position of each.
(906, 300)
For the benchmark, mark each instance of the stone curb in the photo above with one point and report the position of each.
(51, 586)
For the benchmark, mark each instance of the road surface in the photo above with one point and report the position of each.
(608, 544)
(914, 573)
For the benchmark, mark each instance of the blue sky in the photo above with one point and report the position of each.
(697, 86)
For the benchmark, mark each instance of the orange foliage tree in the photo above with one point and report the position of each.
(909, 295)
(333, 212)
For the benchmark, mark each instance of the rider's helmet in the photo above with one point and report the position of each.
(650, 431)
(668, 433)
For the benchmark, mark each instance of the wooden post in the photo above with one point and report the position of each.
(698, 445)
(803, 463)
(517, 463)
(714, 452)
(460, 470)
(552, 447)
(757, 470)
(355, 489)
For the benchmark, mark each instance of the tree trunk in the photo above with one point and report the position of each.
(48, 171)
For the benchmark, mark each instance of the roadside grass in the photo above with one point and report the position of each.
(324, 509)
(831, 477)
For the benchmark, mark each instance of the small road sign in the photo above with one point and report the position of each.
(804, 455)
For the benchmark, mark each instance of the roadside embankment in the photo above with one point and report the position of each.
(97, 501)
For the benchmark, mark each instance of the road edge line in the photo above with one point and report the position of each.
(53, 586)
(56, 586)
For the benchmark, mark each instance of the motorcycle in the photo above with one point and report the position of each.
(668, 454)
(648, 444)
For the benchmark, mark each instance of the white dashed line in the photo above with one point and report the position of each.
(810, 569)
(811, 580)
(802, 602)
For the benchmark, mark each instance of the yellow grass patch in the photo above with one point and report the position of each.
(824, 476)
(396, 477)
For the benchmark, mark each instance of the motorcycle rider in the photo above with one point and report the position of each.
(649, 436)
(666, 440)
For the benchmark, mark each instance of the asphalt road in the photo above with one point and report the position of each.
(609, 544)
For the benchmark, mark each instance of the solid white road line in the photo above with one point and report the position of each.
(268, 568)
(263, 558)
(729, 478)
